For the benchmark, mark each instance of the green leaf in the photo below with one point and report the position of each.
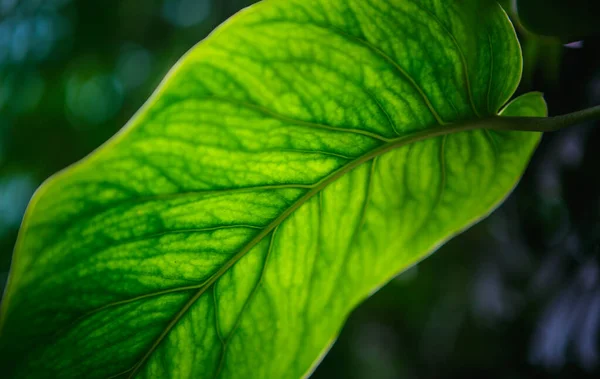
(570, 19)
(531, 104)
(288, 166)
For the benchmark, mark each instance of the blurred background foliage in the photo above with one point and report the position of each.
(517, 296)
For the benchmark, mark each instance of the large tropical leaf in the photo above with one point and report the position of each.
(290, 164)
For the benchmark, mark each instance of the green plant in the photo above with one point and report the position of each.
(293, 162)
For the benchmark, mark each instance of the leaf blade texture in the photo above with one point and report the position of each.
(285, 169)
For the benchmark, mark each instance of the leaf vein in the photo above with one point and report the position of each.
(248, 300)
(433, 132)
(403, 73)
(460, 53)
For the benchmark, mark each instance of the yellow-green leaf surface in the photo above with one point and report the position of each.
(289, 165)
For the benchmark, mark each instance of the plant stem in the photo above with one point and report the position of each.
(546, 124)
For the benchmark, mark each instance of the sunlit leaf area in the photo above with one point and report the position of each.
(205, 240)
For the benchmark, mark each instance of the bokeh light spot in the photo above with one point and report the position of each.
(93, 100)
(133, 66)
(186, 12)
(15, 192)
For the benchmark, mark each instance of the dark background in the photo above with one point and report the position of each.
(517, 296)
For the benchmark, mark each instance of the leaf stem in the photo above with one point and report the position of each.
(545, 124)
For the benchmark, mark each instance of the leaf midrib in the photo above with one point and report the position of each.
(429, 133)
